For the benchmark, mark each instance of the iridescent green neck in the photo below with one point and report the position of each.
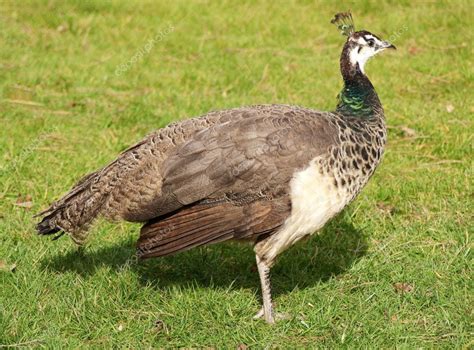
(358, 98)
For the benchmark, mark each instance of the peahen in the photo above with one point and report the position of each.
(268, 174)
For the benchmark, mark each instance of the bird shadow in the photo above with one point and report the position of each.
(330, 253)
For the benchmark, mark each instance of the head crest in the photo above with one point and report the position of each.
(344, 23)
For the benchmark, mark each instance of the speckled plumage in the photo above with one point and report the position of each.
(269, 174)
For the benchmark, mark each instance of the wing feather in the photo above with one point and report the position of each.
(210, 223)
(244, 158)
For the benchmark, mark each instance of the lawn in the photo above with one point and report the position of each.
(80, 81)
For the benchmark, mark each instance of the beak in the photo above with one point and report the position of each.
(387, 45)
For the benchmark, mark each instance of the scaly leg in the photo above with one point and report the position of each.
(267, 309)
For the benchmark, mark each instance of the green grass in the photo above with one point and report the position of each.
(64, 112)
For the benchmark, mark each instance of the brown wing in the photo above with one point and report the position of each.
(243, 160)
(210, 223)
(221, 183)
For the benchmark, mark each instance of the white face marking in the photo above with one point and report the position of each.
(367, 47)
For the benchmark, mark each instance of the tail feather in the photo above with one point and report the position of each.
(47, 227)
(74, 212)
(77, 209)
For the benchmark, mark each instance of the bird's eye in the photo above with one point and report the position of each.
(371, 43)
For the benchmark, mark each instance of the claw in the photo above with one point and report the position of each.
(259, 314)
(276, 317)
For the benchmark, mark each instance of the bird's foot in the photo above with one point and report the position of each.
(274, 316)
(259, 314)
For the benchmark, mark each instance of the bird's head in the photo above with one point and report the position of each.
(360, 45)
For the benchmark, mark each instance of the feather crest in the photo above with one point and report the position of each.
(344, 23)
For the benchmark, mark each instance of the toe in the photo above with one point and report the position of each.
(259, 314)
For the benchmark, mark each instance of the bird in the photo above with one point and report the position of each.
(269, 174)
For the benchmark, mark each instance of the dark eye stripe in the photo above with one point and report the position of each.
(369, 40)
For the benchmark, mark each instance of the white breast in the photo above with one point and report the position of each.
(314, 200)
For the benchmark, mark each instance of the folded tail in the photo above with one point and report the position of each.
(47, 227)
(74, 212)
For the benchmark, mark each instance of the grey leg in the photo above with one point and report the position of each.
(267, 308)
